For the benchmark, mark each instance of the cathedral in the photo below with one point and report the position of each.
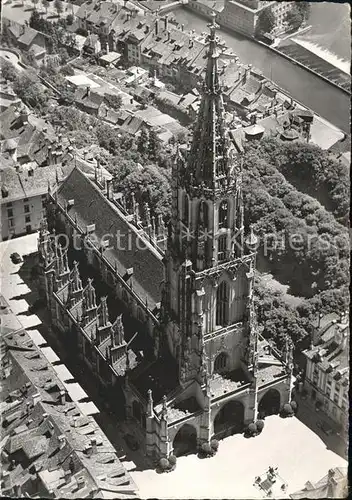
(171, 334)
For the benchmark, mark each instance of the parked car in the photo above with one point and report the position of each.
(325, 427)
(16, 258)
(131, 442)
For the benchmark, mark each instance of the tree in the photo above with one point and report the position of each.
(305, 9)
(8, 71)
(30, 92)
(69, 19)
(294, 18)
(58, 7)
(153, 145)
(150, 186)
(113, 101)
(46, 4)
(143, 140)
(266, 21)
(35, 20)
(63, 55)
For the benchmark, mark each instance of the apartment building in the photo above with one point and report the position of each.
(327, 370)
(23, 195)
(242, 15)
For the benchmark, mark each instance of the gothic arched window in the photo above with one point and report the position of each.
(223, 214)
(203, 216)
(220, 362)
(222, 304)
(222, 240)
(185, 209)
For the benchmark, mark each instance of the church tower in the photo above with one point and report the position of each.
(207, 296)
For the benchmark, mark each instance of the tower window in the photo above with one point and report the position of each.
(185, 209)
(222, 304)
(220, 362)
(223, 209)
(222, 247)
(203, 217)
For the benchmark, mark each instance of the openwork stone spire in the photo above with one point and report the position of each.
(209, 163)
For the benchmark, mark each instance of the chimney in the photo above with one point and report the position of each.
(190, 44)
(182, 27)
(24, 117)
(93, 443)
(88, 450)
(36, 398)
(168, 35)
(81, 482)
(156, 27)
(166, 22)
(62, 441)
(67, 476)
(62, 397)
(85, 153)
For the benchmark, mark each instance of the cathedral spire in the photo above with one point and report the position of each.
(210, 157)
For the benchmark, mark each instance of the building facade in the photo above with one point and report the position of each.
(327, 368)
(23, 197)
(186, 353)
(242, 15)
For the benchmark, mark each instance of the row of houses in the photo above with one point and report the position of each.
(49, 447)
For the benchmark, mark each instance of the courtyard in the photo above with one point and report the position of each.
(288, 444)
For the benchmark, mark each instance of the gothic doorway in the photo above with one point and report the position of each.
(185, 441)
(229, 420)
(269, 404)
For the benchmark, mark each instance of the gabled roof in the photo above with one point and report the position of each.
(27, 184)
(92, 207)
(28, 37)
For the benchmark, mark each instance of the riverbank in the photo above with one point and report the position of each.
(296, 53)
(297, 56)
(303, 86)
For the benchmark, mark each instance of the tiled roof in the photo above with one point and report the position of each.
(23, 185)
(28, 36)
(92, 207)
(55, 440)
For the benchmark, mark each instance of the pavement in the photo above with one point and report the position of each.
(298, 452)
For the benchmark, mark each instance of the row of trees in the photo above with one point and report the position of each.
(300, 241)
(312, 171)
(295, 17)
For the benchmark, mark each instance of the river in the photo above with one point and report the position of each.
(326, 100)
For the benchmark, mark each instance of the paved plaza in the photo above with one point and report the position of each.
(288, 444)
